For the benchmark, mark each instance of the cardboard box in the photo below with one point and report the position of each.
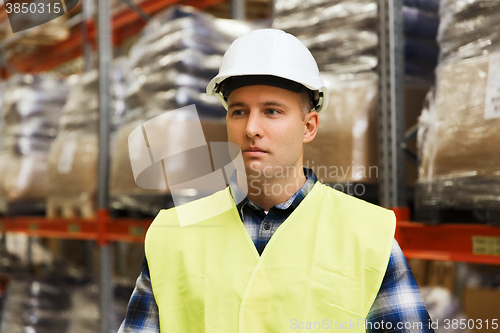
(482, 304)
(345, 148)
(419, 268)
(442, 273)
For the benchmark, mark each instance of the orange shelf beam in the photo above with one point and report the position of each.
(452, 242)
(125, 230)
(125, 23)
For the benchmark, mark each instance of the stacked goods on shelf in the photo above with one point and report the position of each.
(170, 65)
(421, 22)
(45, 34)
(481, 293)
(72, 169)
(59, 305)
(342, 150)
(31, 109)
(3, 203)
(458, 135)
(119, 5)
(430, 6)
(443, 307)
(35, 307)
(342, 36)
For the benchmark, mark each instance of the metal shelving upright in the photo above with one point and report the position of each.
(392, 185)
(105, 43)
(455, 242)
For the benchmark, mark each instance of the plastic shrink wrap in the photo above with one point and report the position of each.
(342, 37)
(34, 306)
(459, 129)
(31, 109)
(421, 22)
(170, 65)
(3, 200)
(431, 6)
(345, 147)
(59, 306)
(48, 33)
(468, 28)
(72, 170)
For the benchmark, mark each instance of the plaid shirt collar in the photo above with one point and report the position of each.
(293, 201)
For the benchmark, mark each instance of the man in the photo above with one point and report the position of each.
(294, 254)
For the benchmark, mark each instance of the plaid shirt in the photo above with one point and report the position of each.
(398, 307)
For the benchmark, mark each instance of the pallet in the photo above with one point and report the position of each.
(129, 213)
(458, 200)
(25, 208)
(138, 206)
(68, 207)
(435, 215)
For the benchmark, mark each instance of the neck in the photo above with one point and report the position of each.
(267, 191)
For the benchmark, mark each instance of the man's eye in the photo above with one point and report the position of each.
(272, 111)
(237, 112)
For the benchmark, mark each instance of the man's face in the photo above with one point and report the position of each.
(267, 124)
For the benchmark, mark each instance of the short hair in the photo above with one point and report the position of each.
(306, 103)
(234, 82)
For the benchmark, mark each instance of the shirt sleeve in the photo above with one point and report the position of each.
(142, 310)
(399, 306)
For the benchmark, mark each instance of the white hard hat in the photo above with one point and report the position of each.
(268, 56)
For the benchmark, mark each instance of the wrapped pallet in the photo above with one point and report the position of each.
(31, 109)
(421, 22)
(342, 36)
(170, 66)
(35, 306)
(3, 200)
(126, 194)
(61, 303)
(458, 135)
(48, 33)
(72, 170)
(345, 147)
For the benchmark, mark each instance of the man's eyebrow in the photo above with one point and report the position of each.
(273, 103)
(268, 103)
(241, 104)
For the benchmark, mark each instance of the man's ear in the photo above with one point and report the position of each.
(311, 122)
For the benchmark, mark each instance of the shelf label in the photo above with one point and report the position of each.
(483, 245)
(73, 228)
(137, 231)
(33, 226)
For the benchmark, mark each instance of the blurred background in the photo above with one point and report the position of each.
(412, 125)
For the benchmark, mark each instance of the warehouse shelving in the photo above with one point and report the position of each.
(124, 24)
(455, 242)
(102, 229)
(444, 242)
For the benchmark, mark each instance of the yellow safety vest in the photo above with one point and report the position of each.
(321, 270)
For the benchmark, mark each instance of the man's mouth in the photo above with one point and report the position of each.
(254, 151)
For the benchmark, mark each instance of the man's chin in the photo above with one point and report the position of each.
(255, 169)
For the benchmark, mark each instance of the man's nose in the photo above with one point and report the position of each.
(254, 125)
